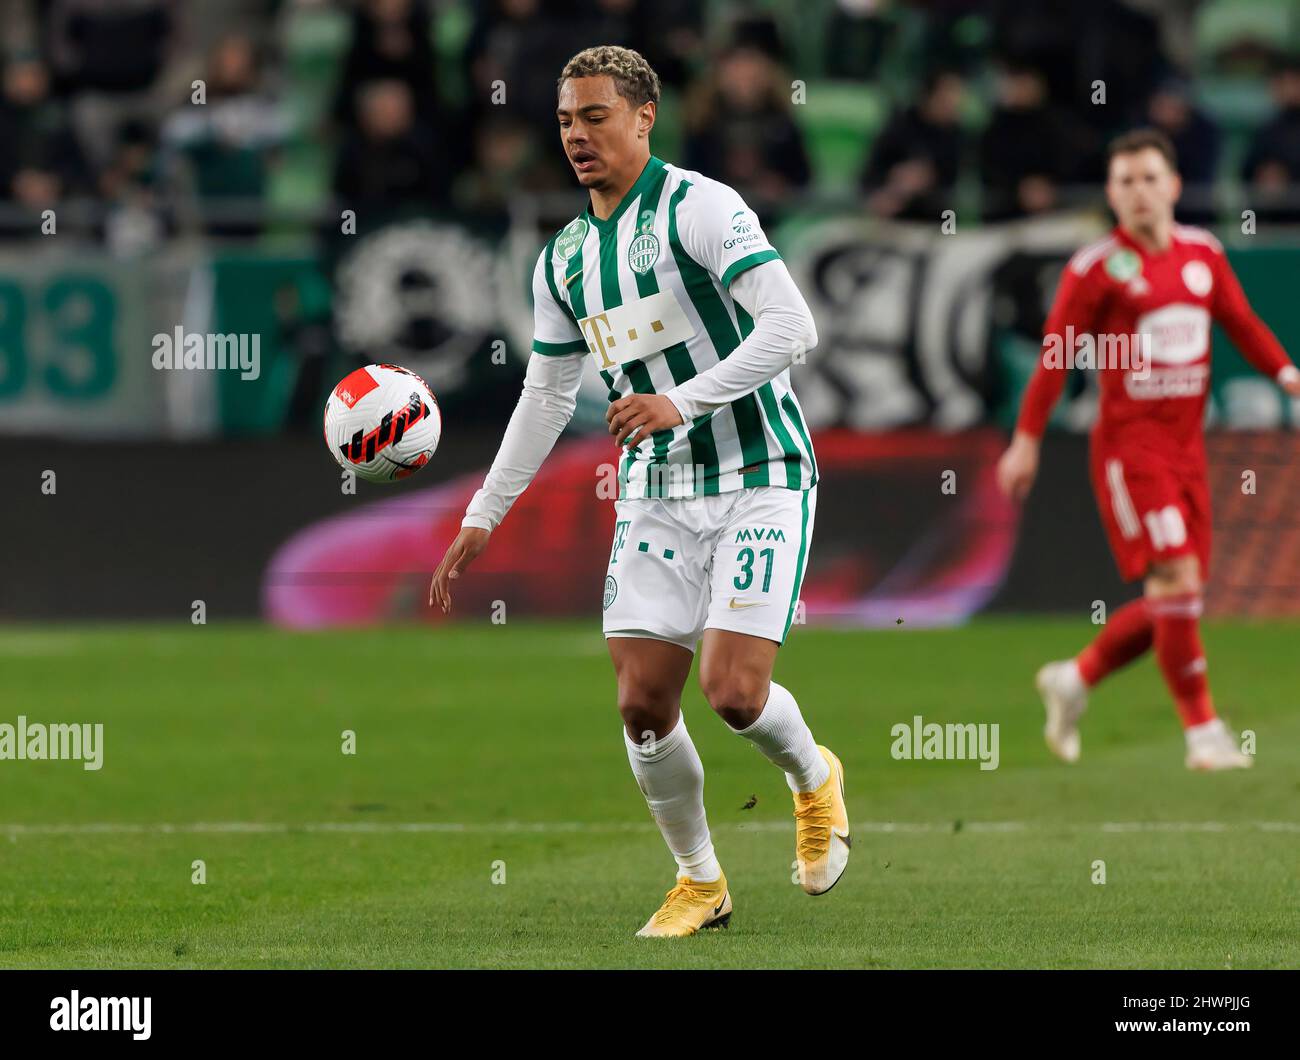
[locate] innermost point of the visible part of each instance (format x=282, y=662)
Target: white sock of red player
x=784, y=737
x=671, y=777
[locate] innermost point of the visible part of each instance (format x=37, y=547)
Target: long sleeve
x=1074, y=307
x=1252, y=336
x=783, y=327
x=544, y=410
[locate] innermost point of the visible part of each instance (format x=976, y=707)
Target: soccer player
x=1157, y=285
x=667, y=283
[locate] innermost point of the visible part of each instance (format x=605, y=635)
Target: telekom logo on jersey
x=635, y=331
x=1179, y=333
x=1173, y=336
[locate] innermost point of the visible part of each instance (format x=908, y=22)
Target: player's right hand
x=460, y=554
x=1018, y=467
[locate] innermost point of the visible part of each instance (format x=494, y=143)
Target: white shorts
x=732, y=561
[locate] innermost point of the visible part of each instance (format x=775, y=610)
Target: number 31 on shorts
x=747, y=559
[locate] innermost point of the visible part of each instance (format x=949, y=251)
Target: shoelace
x=814, y=825
x=681, y=895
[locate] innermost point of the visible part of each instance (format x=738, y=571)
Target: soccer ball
x=382, y=421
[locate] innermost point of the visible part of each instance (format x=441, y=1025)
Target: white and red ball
x=383, y=422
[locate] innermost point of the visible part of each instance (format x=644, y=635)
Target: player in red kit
x=1138, y=306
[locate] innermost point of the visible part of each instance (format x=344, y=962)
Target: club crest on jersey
x=1123, y=265
x=643, y=251
x=1198, y=278
x=571, y=238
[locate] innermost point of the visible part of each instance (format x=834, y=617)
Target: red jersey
x=1167, y=299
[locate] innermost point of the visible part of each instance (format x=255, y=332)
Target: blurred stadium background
x=206, y=163
x=353, y=182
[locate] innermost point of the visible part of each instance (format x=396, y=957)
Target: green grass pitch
x=500, y=747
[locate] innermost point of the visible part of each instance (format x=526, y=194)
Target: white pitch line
x=15, y=831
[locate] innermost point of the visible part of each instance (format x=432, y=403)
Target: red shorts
x=1152, y=509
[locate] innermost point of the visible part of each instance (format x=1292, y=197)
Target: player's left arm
x=783, y=331
x=724, y=237
x=1249, y=333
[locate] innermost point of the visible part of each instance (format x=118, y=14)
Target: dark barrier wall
x=1061, y=561
x=144, y=530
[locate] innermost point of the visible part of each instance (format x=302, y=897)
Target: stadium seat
x=1236, y=103
x=314, y=41
x=300, y=184
x=840, y=119
x=668, y=124
x=1223, y=25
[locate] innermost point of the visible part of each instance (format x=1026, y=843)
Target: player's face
x=1142, y=188
x=602, y=132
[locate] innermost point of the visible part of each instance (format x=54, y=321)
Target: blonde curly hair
x=633, y=77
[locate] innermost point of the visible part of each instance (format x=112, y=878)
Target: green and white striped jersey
x=645, y=295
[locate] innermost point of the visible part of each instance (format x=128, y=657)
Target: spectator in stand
x=740, y=129
x=1196, y=140
x=912, y=170
x=1272, y=167
x=671, y=33
x=225, y=147
x=750, y=26
x=389, y=166
x=390, y=42
x=518, y=48
x=858, y=38
x=609, y=21
x=508, y=160
x=134, y=221
x=107, y=56
x=1028, y=150
x=41, y=163
x=1073, y=45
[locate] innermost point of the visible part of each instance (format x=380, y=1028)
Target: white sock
x=784, y=737
x=1208, y=732
x=1072, y=678
x=671, y=777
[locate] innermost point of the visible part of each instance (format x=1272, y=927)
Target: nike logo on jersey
x=568, y=280
x=735, y=605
